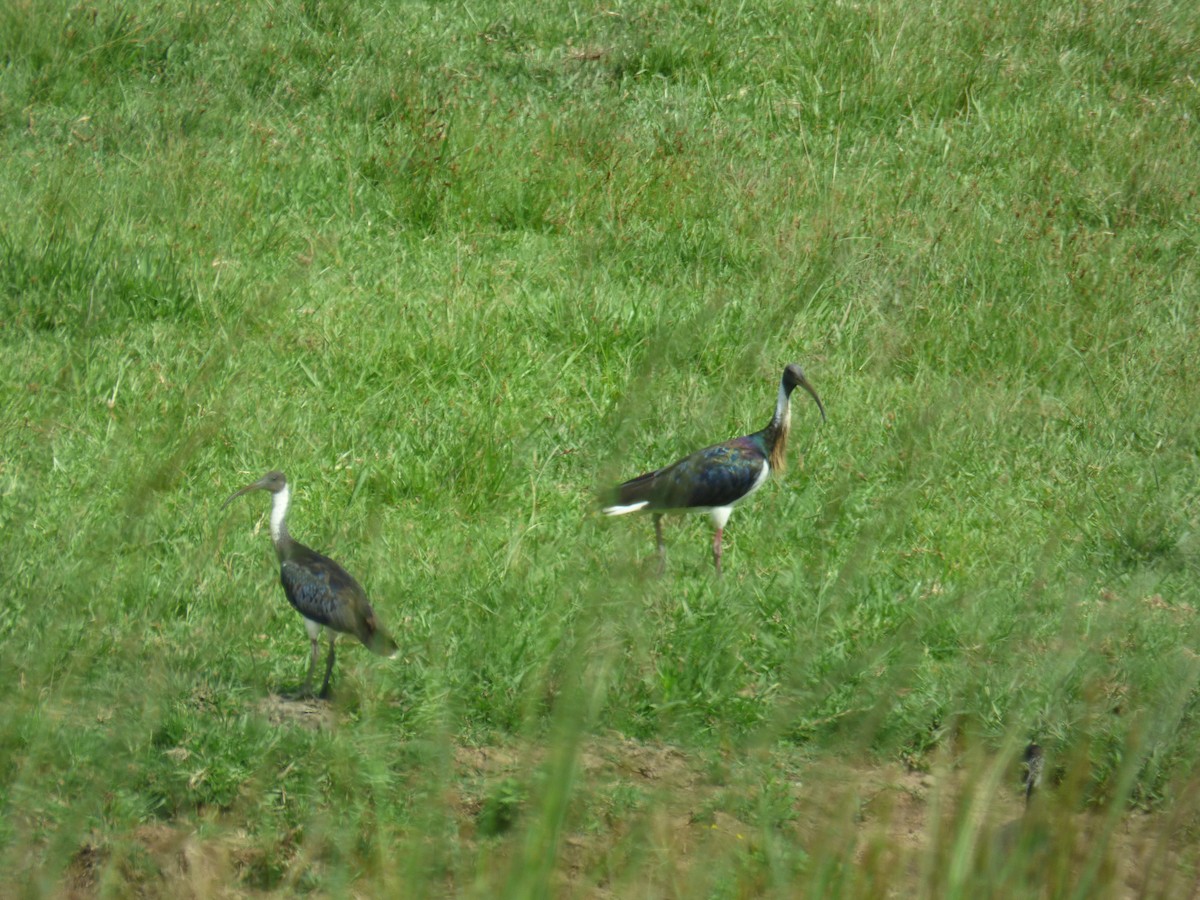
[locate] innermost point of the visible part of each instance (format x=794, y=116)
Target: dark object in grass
x=324, y=593
x=715, y=479
x=1032, y=760
x=1024, y=847
x=501, y=808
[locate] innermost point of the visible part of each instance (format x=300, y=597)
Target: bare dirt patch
x=650, y=819
x=314, y=714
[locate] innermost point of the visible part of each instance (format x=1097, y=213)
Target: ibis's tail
x=634, y=494
x=382, y=643
x=377, y=640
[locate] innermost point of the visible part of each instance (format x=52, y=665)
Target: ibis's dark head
x=793, y=377
x=272, y=481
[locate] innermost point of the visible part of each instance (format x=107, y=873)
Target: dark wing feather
x=310, y=588
x=324, y=592
x=715, y=476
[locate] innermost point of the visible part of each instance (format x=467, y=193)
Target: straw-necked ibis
x=717, y=478
x=324, y=593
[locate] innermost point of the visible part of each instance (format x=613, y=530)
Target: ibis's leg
x=661, y=545
x=306, y=690
x=720, y=516
x=314, y=634
x=328, y=666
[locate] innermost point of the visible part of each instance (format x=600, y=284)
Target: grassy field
x=455, y=268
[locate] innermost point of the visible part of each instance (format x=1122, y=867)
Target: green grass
x=456, y=267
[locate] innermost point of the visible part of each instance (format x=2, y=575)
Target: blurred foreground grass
x=452, y=268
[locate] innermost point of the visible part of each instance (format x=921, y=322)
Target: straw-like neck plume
x=777, y=431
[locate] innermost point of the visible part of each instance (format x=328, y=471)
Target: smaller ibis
x=324, y=593
x=717, y=478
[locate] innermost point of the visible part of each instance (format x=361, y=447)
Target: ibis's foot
x=326, y=693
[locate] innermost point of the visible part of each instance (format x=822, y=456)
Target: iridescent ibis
x=324, y=593
x=717, y=478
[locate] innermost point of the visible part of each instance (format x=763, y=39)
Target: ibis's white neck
x=279, y=505
x=783, y=409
